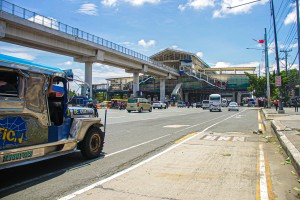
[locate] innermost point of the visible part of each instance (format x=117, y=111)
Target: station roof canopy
x=173, y=58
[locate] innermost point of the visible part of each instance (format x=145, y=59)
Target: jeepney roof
x=18, y=63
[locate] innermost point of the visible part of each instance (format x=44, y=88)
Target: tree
x=72, y=93
x=257, y=84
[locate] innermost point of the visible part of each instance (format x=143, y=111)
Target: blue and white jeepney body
x=36, y=123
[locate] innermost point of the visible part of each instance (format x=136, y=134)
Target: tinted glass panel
x=35, y=92
x=132, y=100
x=9, y=83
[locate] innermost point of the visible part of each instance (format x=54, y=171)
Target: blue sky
x=207, y=28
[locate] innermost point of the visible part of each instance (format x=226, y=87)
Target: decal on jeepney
x=12, y=131
x=82, y=111
x=17, y=156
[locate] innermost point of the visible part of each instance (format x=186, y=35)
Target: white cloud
x=19, y=52
x=294, y=66
x=199, y=54
x=197, y=4
x=271, y=48
x=68, y=63
x=291, y=46
x=141, y=2
x=291, y=17
x=181, y=7
x=226, y=64
x=146, y=44
x=175, y=47
x=88, y=9
x=109, y=3
x=46, y=21
x=224, y=10
x=21, y=55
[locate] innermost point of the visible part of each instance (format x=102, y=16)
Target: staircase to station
x=204, y=78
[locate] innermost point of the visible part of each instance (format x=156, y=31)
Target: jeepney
x=35, y=120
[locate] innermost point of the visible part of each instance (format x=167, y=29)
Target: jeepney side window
x=35, y=99
x=9, y=83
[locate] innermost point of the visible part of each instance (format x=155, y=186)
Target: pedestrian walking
x=276, y=104
x=296, y=105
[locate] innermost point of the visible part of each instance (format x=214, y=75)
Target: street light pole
x=298, y=30
x=277, y=57
x=267, y=69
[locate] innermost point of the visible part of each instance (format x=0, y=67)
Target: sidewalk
x=287, y=128
x=178, y=172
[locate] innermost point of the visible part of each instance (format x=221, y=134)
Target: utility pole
x=298, y=30
x=286, y=52
x=277, y=57
x=267, y=69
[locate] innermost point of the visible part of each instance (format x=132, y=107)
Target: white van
x=224, y=103
x=205, y=104
x=215, y=102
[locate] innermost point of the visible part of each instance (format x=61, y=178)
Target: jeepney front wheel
x=92, y=145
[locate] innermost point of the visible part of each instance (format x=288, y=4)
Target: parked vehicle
x=291, y=102
x=224, y=103
x=181, y=104
x=159, y=105
x=138, y=104
x=233, y=106
x=215, y=102
x=251, y=103
x=205, y=104
x=198, y=105
x=35, y=120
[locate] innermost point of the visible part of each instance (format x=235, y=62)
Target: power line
x=294, y=60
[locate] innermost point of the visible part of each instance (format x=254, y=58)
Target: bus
x=215, y=102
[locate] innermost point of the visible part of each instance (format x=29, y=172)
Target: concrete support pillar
x=163, y=90
x=186, y=96
x=89, y=76
x=136, y=84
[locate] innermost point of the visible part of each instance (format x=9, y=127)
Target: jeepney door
x=26, y=123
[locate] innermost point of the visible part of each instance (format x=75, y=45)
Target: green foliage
x=259, y=84
x=72, y=93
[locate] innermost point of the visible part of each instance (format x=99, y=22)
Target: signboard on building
x=278, y=81
x=186, y=63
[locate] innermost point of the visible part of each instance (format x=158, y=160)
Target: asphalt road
x=134, y=137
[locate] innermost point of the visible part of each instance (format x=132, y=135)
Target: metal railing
x=204, y=78
x=23, y=13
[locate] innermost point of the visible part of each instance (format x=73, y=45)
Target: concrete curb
x=288, y=147
x=271, y=115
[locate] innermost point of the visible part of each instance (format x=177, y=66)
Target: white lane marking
x=175, y=126
x=136, y=146
x=263, y=178
x=201, y=123
x=69, y=168
x=74, y=194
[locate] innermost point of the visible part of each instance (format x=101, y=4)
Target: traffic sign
x=277, y=81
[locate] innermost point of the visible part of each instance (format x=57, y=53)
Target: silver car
x=233, y=106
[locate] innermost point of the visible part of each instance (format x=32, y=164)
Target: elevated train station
x=196, y=82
